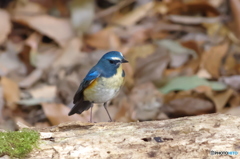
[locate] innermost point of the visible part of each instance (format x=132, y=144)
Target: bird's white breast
x=105, y=88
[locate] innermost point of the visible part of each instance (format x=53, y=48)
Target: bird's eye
x=111, y=61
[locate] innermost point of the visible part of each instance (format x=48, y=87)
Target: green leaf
x=190, y=82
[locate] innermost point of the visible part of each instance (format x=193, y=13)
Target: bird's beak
x=124, y=60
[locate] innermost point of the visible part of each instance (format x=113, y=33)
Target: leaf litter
x=183, y=58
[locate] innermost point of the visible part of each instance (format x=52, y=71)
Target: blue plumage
x=101, y=83
x=112, y=54
x=93, y=74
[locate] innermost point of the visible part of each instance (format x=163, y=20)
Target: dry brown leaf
x=235, y=7
x=160, y=7
x=82, y=15
x=232, y=81
x=190, y=20
x=9, y=62
x=71, y=55
x=212, y=59
x=123, y=113
x=33, y=42
x=113, y=9
x=138, y=35
x=190, y=68
x=203, y=89
x=188, y=106
x=145, y=101
x=159, y=30
x=151, y=68
x=19, y=120
x=67, y=86
x=234, y=100
x=25, y=57
x=129, y=78
x=216, y=4
x=11, y=92
x=137, y=52
x=60, y=5
x=234, y=111
x=203, y=73
x=57, y=113
x=220, y=99
x=192, y=8
x=44, y=92
x=231, y=66
x=178, y=53
x=178, y=60
x=27, y=7
x=58, y=29
x=5, y=25
x=22, y=125
x=192, y=45
x=104, y=39
x=134, y=16
x=42, y=125
x=177, y=95
x=31, y=79
x=217, y=32
x=48, y=55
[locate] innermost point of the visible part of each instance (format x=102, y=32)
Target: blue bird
x=101, y=84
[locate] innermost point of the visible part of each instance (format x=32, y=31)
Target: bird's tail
x=79, y=107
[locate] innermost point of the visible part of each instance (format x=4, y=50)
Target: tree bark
x=181, y=138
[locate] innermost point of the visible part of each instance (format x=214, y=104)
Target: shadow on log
x=182, y=138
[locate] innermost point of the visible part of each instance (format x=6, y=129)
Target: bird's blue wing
x=90, y=77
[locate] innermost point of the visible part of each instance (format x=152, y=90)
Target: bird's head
x=113, y=58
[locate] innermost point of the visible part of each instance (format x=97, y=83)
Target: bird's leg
x=105, y=106
x=91, y=114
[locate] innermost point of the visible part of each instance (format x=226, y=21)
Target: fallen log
x=181, y=138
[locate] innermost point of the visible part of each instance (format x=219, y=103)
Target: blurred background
x=184, y=58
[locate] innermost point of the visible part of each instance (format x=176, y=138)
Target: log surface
x=188, y=137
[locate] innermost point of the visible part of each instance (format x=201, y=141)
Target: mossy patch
x=18, y=143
